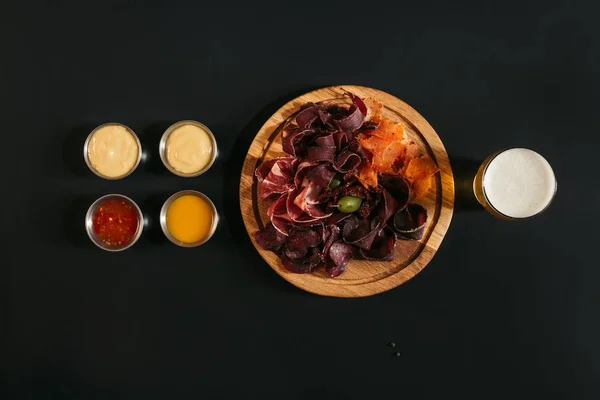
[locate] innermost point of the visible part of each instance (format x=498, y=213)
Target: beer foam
x=519, y=183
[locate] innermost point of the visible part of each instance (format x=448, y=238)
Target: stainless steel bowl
x=89, y=223
x=162, y=148
x=86, y=155
x=163, y=218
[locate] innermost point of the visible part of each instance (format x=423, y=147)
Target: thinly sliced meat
x=341, y=139
x=339, y=256
x=301, y=173
x=331, y=234
x=264, y=168
x=358, y=102
x=336, y=218
x=386, y=208
x=308, y=115
x=321, y=176
x=302, y=265
x=302, y=238
x=292, y=138
x=270, y=238
x=326, y=118
x=369, y=205
x=278, y=207
x=347, y=161
x=312, y=209
x=283, y=225
x=382, y=249
x=410, y=222
x=279, y=179
x=352, y=121
x=374, y=109
x=358, y=232
x=398, y=187
x=325, y=141
x=316, y=153
x=296, y=254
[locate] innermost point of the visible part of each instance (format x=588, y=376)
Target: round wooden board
x=362, y=277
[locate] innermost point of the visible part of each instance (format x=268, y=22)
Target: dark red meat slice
x=301, y=173
x=339, y=256
x=279, y=178
x=278, y=207
x=293, y=139
x=410, y=222
x=302, y=238
x=398, y=188
x=352, y=121
x=316, y=153
x=302, y=265
x=331, y=234
x=282, y=225
x=347, y=161
x=358, y=232
x=308, y=115
x=337, y=218
x=321, y=176
x=341, y=139
x=382, y=248
x=325, y=141
x=270, y=238
x=369, y=204
x=357, y=101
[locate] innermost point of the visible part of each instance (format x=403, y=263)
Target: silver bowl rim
x=165, y=208
x=162, y=148
x=86, y=156
x=89, y=222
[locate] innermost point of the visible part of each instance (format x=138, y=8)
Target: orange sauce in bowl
x=190, y=218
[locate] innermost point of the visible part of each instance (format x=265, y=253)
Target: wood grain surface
x=362, y=277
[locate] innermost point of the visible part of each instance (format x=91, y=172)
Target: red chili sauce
x=115, y=222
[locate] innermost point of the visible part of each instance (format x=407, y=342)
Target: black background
x=504, y=308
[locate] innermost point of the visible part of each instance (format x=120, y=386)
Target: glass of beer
x=515, y=183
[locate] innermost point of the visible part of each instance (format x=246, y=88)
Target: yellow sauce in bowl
x=113, y=151
x=190, y=219
x=189, y=149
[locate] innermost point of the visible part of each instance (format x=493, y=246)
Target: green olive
x=336, y=181
x=349, y=204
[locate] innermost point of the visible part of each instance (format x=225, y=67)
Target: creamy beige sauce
x=519, y=183
x=113, y=151
x=189, y=149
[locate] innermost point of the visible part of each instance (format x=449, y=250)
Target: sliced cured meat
x=316, y=153
x=355, y=117
x=331, y=234
x=302, y=238
x=302, y=265
x=410, y=222
x=338, y=258
x=347, y=161
x=382, y=248
x=374, y=109
x=270, y=238
x=279, y=178
x=308, y=115
x=293, y=139
x=398, y=187
x=358, y=232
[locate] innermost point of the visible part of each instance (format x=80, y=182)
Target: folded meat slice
x=276, y=176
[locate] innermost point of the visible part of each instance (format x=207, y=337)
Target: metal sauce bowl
x=86, y=155
x=162, y=148
x=163, y=218
x=89, y=223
